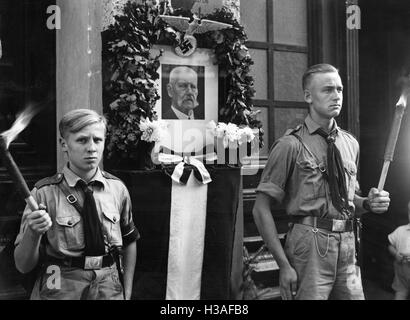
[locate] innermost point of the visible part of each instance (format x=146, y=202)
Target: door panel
x=27, y=77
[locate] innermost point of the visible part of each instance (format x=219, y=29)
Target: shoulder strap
x=56, y=179
x=293, y=133
x=71, y=198
x=107, y=175
x=293, y=130
x=348, y=133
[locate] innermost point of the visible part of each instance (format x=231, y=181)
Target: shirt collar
x=183, y=116
x=72, y=178
x=312, y=126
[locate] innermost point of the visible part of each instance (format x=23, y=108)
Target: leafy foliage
x=130, y=92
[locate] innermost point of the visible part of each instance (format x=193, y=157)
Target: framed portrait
x=192, y=90
x=188, y=88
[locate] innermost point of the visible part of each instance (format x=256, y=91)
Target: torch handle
x=32, y=203
x=16, y=175
x=383, y=175
x=394, y=133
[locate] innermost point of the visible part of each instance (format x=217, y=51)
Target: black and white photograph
x=241, y=152
x=189, y=97
x=183, y=92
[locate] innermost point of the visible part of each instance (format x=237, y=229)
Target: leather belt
x=333, y=225
x=86, y=263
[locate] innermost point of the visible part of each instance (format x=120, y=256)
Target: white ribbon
x=190, y=160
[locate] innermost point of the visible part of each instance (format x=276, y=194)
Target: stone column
x=78, y=50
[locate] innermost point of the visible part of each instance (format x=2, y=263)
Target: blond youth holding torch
x=85, y=216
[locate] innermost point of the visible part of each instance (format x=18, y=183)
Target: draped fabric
x=93, y=234
x=335, y=173
x=186, y=239
x=151, y=194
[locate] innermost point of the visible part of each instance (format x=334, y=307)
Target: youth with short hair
x=312, y=171
x=83, y=224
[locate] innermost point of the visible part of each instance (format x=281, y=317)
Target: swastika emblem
x=187, y=47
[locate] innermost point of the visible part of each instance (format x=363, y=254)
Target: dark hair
x=317, y=68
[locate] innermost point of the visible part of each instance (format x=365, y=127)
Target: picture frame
x=187, y=136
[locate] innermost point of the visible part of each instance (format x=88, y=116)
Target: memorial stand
x=189, y=215
x=151, y=193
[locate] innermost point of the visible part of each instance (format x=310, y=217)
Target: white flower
x=231, y=134
x=153, y=131
x=220, y=130
x=246, y=135
x=211, y=125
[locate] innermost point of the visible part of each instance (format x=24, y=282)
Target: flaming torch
x=394, y=131
x=6, y=138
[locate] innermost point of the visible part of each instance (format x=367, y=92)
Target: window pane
x=286, y=118
x=290, y=22
x=253, y=18
x=289, y=68
x=259, y=71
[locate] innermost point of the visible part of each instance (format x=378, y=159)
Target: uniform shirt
x=293, y=174
x=400, y=239
x=66, y=235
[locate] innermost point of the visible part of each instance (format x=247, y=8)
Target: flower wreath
x=130, y=92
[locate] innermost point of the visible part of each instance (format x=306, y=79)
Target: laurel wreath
x=130, y=73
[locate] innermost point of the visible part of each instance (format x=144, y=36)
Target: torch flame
x=402, y=100
x=404, y=83
x=22, y=121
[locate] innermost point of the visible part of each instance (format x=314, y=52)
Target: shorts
x=401, y=282
x=325, y=263
x=69, y=283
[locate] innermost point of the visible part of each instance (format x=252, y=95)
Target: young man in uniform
x=84, y=220
x=312, y=170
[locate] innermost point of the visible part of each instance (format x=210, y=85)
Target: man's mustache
x=191, y=97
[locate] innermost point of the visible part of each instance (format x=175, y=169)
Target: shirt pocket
x=112, y=227
x=70, y=233
x=351, y=176
x=311, y=182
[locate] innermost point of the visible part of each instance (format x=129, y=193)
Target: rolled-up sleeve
x=393, y=238
x=279, y=167
x=23, y=223
x=129, y=231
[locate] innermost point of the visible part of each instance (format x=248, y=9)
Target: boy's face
x=325, y=95
x=85, y=148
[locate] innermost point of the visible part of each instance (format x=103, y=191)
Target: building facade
x=51, y=56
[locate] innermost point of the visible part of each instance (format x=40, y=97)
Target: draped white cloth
x=186, y=239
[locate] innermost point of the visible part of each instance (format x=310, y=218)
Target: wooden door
x=27, y=76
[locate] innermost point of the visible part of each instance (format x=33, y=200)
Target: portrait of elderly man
x=181, y=96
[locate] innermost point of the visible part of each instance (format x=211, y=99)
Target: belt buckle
x=93, y=263
x=339, y=225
